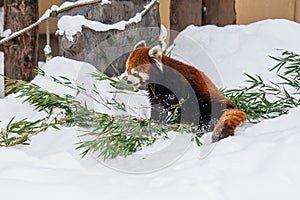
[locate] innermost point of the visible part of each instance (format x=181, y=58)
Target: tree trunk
x=21, y=53
x=184, y=13
x=108, y=51
x=219, y=12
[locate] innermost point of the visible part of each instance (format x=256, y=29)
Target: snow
x=55, y=8
x=1, y=73
x=80, y=2
x=3, y=33
x=103, y=2
x=71, y=25
x=242, y=48
x=163, y=37
x=47, y=49
x=261, y=162
x=48, y=12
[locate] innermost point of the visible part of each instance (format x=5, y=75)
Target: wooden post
x=184, y=13
x=219, y=12
x=21, y=53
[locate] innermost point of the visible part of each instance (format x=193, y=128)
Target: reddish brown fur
x=230, y=119
x=227, y=123
x=137, y=59
x=195, y=77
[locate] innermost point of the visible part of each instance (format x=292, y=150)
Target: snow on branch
x=105, y=2
x=70, y=25
x=67, y=29
x=69, y=5
x=52, y=12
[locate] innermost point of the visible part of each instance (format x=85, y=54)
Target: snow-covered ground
x=261, y=162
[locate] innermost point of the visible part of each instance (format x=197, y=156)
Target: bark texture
x=21, y=53
x=108, y=51
x=219, y=12
x=184, y=13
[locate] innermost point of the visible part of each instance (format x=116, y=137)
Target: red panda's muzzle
x=139, y=80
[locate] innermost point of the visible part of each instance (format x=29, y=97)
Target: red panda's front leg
x=228, y=122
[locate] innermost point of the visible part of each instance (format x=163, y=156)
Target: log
x=21, y=53
x=108, y=51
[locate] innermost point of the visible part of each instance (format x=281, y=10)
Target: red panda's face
x=141, y=63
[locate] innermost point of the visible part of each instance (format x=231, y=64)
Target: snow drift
x=261, y=162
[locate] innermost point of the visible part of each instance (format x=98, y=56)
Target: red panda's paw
x=227, y=124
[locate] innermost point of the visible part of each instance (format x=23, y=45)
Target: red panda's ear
x=140, y=44
x=156, y=54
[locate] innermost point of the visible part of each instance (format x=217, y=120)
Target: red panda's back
x=199, y=81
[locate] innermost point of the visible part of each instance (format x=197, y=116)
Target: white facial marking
x=133, y=79
x=144, y=76
x=138, y=79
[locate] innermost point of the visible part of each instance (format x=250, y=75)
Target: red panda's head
x=142, y=63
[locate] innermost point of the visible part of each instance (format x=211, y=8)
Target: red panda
x=171, y=83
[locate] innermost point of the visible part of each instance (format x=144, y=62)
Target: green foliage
x=264, y=100
x=58, y=111
x=106, y=135
x=113, y=136
x=120, y=83
x=40, y=99
x=19, y=132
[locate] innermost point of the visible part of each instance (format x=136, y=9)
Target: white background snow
x=261, y=162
